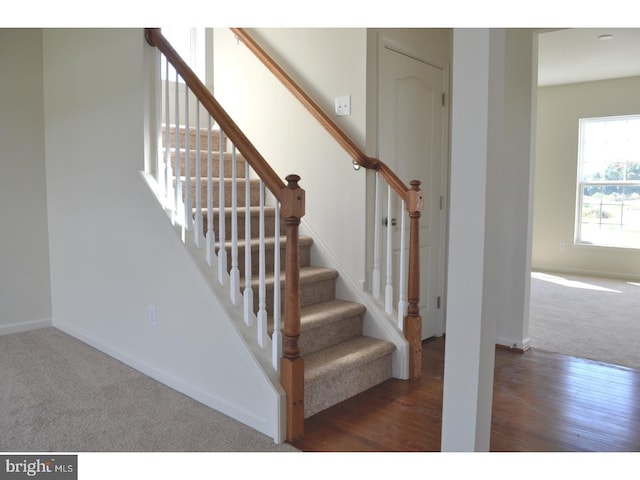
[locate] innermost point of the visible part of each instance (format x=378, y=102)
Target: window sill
x=605, y=247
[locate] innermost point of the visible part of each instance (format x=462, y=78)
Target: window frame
x=581, y=184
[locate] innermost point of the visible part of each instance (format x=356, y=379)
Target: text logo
x=54, y=467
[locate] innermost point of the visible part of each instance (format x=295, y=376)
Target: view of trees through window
x=609, y=182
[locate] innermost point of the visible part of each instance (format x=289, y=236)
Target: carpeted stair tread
x=269, y=243
x=308, y=274
x=351, y=354
x=215, y=136
x=328, y=323
x=204, y=165
x=314, y=316
x=253, y=210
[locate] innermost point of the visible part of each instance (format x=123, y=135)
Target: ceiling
x=577, y=55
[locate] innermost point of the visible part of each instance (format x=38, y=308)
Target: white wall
x=559, y=109
x=113, y=250
x=25, y=293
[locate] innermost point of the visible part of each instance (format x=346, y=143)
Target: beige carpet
x=588, y=317
x=59, y=394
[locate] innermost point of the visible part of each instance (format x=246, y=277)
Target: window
x=189, y=43
x=608, y=210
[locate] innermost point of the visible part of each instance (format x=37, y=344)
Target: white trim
x=19, y=327
x=585, y=272
x=511, y=343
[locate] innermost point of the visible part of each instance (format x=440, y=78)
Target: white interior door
x=412, y=137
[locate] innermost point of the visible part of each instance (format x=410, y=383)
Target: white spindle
x=197, y=231
x=388, y=290
x=377, y=225
x=402, y=275
x=168, y=174
x=210, y=240
x=248, y=291
x=222, y=234
x=188, y=211
x=276, y=337
x=262, y=300
x=176, y=156
x=235, y=271
x=159, y=112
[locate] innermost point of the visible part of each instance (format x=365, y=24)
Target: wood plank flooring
x=543, y=402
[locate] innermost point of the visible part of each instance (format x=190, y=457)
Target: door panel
x=412, y=134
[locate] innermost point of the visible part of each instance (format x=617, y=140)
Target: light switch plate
x=343, y=105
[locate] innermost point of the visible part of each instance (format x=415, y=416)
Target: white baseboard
x=19, y=327
x=586, y=272
x=510, y=343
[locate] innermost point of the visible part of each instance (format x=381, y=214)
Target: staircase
x=339, y=360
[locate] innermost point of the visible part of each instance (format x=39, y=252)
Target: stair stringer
x=257, y=360
x=377, y=323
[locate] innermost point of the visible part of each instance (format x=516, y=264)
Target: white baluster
x=197, y=231
x=188, y=210
x=235, y=271
x=222, y=234
x=248, y=291
x=160, y=168
x=262, y=300
x=276, y=337
x=388, y=290
x=402, y=279
x=377, y=225
x=168, y=173
x=176, y=157
x=210, y=240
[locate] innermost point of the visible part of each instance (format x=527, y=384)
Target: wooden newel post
x=292, y=364
x=413, y=320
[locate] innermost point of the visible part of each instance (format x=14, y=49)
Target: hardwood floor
x=543, y=402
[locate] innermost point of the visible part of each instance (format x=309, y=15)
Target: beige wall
x=559, y=109
x=25, y=293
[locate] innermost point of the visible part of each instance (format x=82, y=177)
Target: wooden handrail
x=334, y=130
x=270, y=178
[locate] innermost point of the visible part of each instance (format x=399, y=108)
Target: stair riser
x=269, y=224
x=305, y=258
x=228, y=194
x=215, y=138
x=329, y=334
x=310, y=294
x=331, y=391
x=215, y=164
